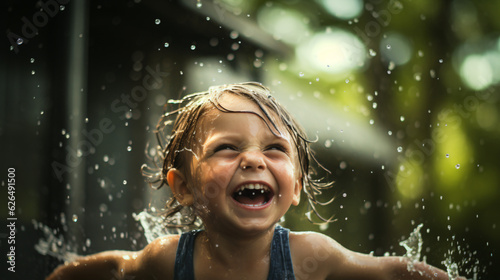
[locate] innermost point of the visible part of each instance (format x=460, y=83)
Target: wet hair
x=172, y=146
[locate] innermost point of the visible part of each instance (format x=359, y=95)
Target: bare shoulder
x=317, y=256
x=155, y=261
x=158, y=257
x=319, y=245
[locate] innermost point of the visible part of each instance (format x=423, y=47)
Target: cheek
x=214, y=178
x=285, y=172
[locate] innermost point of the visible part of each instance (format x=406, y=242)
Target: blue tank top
x=280, y=265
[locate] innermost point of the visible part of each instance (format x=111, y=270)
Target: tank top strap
x=280, y=267
x=184, y=267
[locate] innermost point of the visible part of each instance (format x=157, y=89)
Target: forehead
x=240, y=105
x=235, y=110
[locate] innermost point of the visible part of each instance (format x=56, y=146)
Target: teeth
x=262, y=188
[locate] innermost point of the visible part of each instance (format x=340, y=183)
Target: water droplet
x=301, y=74
x=388, y=46
x=374, y=105
x=400, y=149
x=20, y=41
x=105, y=158
x=457, y=166
x=342, y=165
x=199, y=4
x=392, y=65
x=234, y=34
x=32, y=72
x=372, y=52
x=372, y=121
x=157, y=21
x=32, y=60
x=129, y=148
x=193, y=47
x=346, y=81
x=124, y=182
x=441, y=60
x=166, y=44
x=328, y=143
x=402, y=118
x=447, y=155
x=75, y=218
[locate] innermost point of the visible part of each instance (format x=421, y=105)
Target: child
x=239, y=160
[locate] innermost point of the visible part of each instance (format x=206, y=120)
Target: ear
x=296, y=192
x=178, y=184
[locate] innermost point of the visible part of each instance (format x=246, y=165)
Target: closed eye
x=277, y=147
x=226, y=147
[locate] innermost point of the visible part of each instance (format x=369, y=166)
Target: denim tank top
x=280, y=266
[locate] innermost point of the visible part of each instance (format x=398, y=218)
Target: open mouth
x=253, y=195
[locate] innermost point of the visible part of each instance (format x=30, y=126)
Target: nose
x=252, y=160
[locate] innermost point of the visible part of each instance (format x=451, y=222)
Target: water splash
x=451, y=268
x=413, y=246
x=156, y=225
x=54, y=244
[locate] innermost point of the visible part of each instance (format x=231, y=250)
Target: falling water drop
x=157, y=21
x=20, y=41
x=400, y=149
x=457, y=166
x=75, y=218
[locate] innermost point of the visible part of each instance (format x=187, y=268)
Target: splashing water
x=156, y=225
x=413, y=246
x=153, y=225
x=54, y=245
x=451, y=268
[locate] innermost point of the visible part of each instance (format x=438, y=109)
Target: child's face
x=243, y=176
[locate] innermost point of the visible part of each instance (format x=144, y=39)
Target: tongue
x=251, y=199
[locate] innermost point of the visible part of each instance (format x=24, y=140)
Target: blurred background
x=402, y=97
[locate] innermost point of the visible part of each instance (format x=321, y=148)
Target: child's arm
x=317, y=256
x=156, y=261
